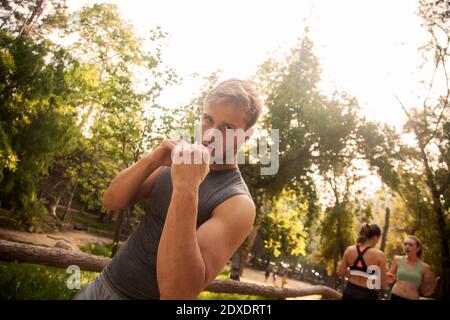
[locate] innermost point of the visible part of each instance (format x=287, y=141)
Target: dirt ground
x=257, y=276
x=74, y=238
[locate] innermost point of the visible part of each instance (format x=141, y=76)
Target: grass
x=97, y=249
x=23, y=281
x=90, y=222
x=225, y=274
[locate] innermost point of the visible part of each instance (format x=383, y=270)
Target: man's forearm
x=123, y=188
x=180, y=266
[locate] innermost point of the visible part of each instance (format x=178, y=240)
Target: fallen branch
x=55, y=257
x=231, y=286
x=58, y=238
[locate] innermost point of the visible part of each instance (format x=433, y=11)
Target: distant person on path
x=283, y=279
x=274, y=277
x=266, y=275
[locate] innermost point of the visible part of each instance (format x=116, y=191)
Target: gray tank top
x=132, y=271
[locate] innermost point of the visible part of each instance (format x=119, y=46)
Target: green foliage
x=336, y=233
x=283, y=229
x=292, y=98
x=98, y=249
x=19, y=281
x=382, y=149
x=73, y=120
x=36, y=122
x=119, y=113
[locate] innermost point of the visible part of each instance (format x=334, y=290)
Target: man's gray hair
x=240, y=93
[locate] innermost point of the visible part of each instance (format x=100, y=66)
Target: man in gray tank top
x=199, y=211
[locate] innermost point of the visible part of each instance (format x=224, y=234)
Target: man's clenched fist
x=190, y=165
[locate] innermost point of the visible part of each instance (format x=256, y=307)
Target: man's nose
x=209, y=135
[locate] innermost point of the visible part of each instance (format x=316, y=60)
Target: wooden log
x=56, y=257
x=52, y=257
x=230, y=286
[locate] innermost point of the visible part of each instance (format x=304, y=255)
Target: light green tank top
x=411, y=275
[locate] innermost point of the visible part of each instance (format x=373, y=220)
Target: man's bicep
x=224, y=232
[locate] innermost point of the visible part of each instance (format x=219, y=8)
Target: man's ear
x=248, y=133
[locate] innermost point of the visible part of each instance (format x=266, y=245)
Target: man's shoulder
x=241, y=200
x=239, y=206
x=232, y=183
x=240, y=183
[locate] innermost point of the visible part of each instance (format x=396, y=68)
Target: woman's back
x=364, y=266
x=359, y=258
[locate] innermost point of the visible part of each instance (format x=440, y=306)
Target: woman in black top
x=359, y=262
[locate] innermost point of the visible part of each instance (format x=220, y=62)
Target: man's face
x=216, y=120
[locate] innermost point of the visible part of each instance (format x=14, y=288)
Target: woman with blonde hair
x=410, y=274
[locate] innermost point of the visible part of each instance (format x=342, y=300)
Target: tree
x=283, y=230
x=429, y=124
x=120, y=115
x=28, y=18
x=36, y=118
x=290, y=87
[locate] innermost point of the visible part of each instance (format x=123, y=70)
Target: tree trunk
x=117, y=231
x=235, y=266
x=385, y=229
x=45, y=190
x=444, y=289
x=54, y=204
x=245, y=252
x=66, y=211
x=336, y=252
x=230, y=286
x=27, y=27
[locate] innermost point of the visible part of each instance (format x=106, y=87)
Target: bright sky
x=368, y=48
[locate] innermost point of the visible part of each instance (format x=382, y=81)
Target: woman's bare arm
x=429, y=281
x=343, y=270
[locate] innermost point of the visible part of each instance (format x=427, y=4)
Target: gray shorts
x=99, y=289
